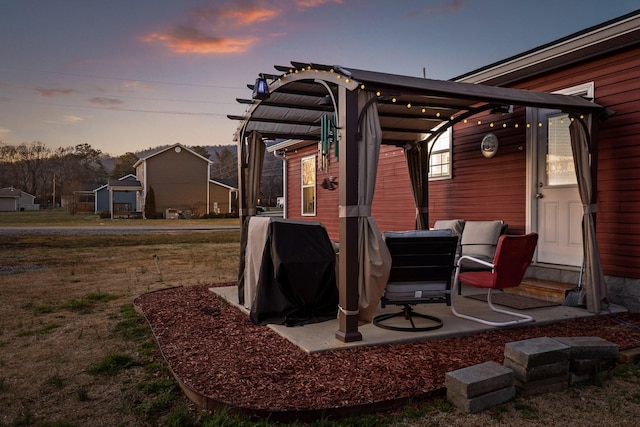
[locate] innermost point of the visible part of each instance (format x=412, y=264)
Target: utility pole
x=54, y=190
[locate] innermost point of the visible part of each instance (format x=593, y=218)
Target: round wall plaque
x=489, y=145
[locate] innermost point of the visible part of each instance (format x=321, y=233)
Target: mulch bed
x=221, y=358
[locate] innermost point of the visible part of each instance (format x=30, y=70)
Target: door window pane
x=560, y=168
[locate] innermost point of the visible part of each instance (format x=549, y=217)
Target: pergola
x=364, y=109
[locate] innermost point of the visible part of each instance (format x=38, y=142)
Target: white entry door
x=559, y=209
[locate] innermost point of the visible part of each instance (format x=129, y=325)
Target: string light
x=409, y=105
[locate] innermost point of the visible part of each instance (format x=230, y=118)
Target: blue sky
x=126, y=75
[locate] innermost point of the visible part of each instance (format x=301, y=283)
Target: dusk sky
x=126, y=75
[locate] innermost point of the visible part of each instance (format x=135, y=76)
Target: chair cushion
x=456, y=226
x=417, y=233
x=480, y=238
x=403, y=291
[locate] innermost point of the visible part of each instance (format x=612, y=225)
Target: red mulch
x=215, y=351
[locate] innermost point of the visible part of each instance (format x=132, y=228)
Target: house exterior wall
x=615, y=78
x=392, y=208
x=486, y=189
x=179, y=180
x=221, y=195
x=102, y=199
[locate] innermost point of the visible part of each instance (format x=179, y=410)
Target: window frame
x=447, y=137
x=307, y=186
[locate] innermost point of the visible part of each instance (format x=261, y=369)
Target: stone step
x=545, y=290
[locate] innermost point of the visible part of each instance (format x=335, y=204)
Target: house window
x=440, y=160
x=309, y=185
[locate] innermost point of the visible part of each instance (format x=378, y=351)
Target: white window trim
x=302, y=186
x=449, y=149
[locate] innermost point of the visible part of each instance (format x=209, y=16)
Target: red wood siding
x=481, y=188
x=393, y=207
x=616, y=78
x=486, y=189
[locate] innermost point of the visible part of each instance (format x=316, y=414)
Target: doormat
x=518, y=302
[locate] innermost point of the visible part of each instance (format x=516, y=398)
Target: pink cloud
x=190, y=40
x=227, y=29
x=216, y=30
x=112, y=103
x=307, y=4
x=50, y=93
x=250, y=16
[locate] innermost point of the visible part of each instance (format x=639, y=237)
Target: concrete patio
x=318, y=337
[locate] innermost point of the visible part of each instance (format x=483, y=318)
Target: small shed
x=13, y=199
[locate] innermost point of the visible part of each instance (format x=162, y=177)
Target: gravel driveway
x=102, y=230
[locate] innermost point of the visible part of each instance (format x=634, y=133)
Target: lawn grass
x=75, y=352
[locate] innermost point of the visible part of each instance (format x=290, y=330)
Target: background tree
x=27, y=168
x=225, y=165
x=123, y=165
x=90, y=159
x=199, y=149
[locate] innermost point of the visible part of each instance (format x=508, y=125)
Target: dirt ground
x=65, y=314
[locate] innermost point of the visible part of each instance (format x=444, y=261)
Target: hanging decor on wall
x=489, y=145
x=327, y=136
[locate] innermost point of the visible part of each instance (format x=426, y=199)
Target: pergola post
x=348, y=196
x=425, y=159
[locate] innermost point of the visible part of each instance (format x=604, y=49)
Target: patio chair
x=512, y=258
x=478, y=239
x=421, y=269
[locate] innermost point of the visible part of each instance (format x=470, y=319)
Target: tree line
x=53, y=174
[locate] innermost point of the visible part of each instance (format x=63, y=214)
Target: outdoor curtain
x=374, y=259
x=251, y=161
x=413, y=155
x=594, y=288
